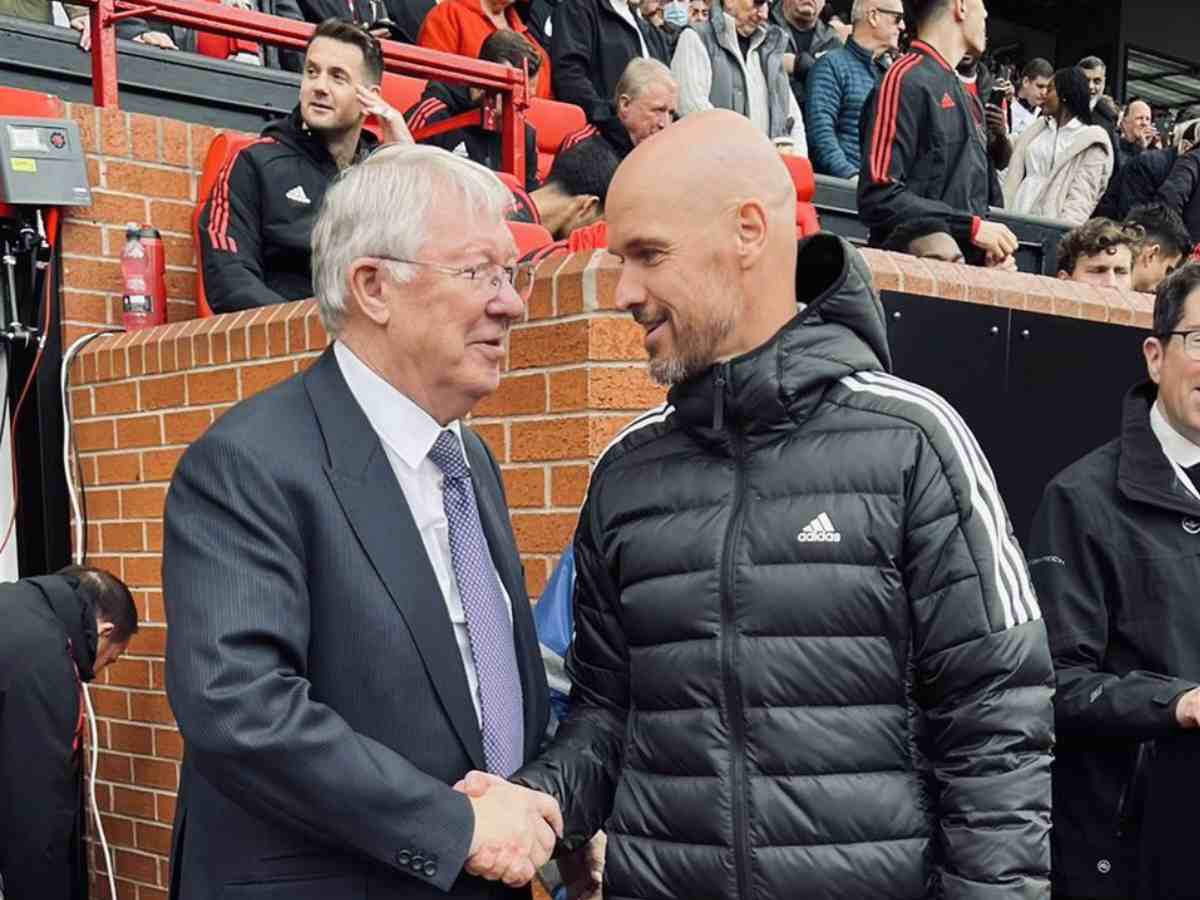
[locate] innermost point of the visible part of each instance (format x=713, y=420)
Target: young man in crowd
x=256, y=224
x=923, y=153
x=1031, y=95
x=574, y=193
x=929, y=237
x=443, y=101
x=1164, y=248
x=1115, y=558
x=1099, y=252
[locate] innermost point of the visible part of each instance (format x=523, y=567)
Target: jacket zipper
x=729, y=645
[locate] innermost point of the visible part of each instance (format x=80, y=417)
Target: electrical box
x=41, y=163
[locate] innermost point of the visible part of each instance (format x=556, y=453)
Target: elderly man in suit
x=349, y=630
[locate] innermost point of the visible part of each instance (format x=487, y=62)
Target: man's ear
x=104, y=628
x=585, y=209
x=1064, y=275
x=366, y=282
x=1153, y=350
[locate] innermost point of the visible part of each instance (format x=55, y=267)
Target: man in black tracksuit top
x=256, y=224
x=924, y=153
x=808, y=662
x=1115, y=557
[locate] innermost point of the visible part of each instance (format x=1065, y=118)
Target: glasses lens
x=523, y=280
x=1191, y=343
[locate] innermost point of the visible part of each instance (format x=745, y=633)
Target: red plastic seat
x=401, y=91
x=222, y=148
x=807, y=221
x=529, y=237
x=553, y=121
x=30, y=104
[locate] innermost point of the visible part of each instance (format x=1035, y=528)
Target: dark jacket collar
x=841, y=330
x=77, y=616
x=1144, y=473
x=293, y=132
x=823, y=34
x=928, y=50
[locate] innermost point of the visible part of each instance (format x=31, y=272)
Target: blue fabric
x=554, y=619
x=838, y=86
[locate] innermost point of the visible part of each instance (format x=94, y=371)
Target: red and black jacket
x=924, y=153
x=256, y=225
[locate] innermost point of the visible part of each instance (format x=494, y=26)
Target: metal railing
x=507, y=89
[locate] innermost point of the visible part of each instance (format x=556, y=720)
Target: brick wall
x=142, y=169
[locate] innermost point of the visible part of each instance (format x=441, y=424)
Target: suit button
x=430, y=870
x=417, y=862
x=403, y=857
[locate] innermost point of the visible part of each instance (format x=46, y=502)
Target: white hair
x=381, y=207
x=642, y=72
x=858, y=12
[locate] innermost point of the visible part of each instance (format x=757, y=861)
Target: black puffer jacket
x=807, y=661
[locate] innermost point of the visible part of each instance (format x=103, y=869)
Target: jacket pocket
x=316, y=887
x=1132, y=801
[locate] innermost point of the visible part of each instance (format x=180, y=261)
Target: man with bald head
x=807, y=658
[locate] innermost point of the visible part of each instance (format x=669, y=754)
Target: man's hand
x=1187, y=710
x=1008, y=264
x=83, y=24
x=789, y=63
x=997, y=123
x=395, y=129
x=515, y=829
x=583, y=871
x=156, y=39
x=996, y=240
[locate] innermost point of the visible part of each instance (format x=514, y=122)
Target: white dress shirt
x=408, y=433
x=1041, y=157
x=1022, y=117
x=1180, y=452
x=693, y=71
x=621, y=8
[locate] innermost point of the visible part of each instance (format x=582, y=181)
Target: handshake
x=516, y=829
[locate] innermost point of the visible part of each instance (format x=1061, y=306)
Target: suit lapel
x=504, y=554
x=373, y=503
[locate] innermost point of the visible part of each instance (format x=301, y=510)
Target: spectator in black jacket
x=591, y=43
x=255, y=225
x=1138, y=183
x=1181, y=190
x=574, y=193
x=810, y=36
x=923, y=149
x=1115, y=562
x=59, y=631
x=1165, y=247
x=443, y=101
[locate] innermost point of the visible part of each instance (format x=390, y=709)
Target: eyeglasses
x=898, y=16
x=1191, y=342
x=486, y=280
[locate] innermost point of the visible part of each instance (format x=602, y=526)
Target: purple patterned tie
x=488, y=624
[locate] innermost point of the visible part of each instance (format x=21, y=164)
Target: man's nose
x=507, y=304
x=629, y=293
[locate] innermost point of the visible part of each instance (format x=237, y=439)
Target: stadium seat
x=553, y=122
x=30, y=104
x=219, y=151
x=529, y=237
x=401, y=91
x=801, y=171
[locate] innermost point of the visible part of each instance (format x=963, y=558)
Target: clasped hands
x=516, y=829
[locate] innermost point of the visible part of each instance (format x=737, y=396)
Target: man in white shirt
x=736, y=61
x=1115, y=559
x=350, y=633
x=1031, y=95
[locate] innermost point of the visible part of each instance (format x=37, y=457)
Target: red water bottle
x=144, y=270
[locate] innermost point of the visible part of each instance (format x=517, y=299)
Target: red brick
x=150, y=640
x=629, y=387
x=179, y=251
x=85, y=115
x=168, y=744
x=603, y=429
x=131, y=738
x=119, y=468
x=139, y=431
x=161, y=393
x=569, y=390
x=113, y=767
x=149, y=893
x=143, y=503
x=93, y=308
x=185, y=427
x=537, y=572
x=86, y=240
x=136, y=866
x=516, y=395
x=153, y=838
x=207, y=388
x=261, y=377
x=169, y=184
x=81, y=398
x=118, y=536
x=117, y=831
x=182, y=286
x=550, y=440
x=112, y=703
x=166, y=808
x=616, y=338
x=150, y=708
x=92, y=275
x=169, y=215
x=548, y=345
x=175, y=143
x=116, y=209
x=568, y=485
x=159, y=465
x=543, y=532
x=133, y=802
x=525, y=487
x=154, y=536
x=103, y=503
x=143, y=131
x=155, y=773
x=201, y=137
x=493, y=436
x=95, y=435
x=114, y=133
x=143, y=571
x=158, y=668
x=116, y=398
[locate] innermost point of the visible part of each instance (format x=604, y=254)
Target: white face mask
x=676, y=13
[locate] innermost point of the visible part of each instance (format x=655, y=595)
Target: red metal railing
x=507, y=89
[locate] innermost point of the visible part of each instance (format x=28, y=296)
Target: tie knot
x=447, y=455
